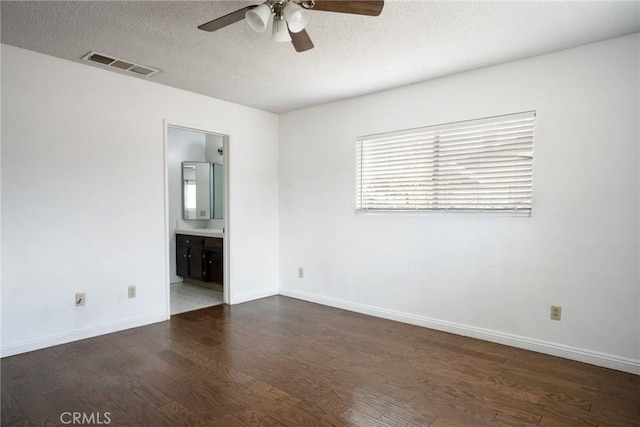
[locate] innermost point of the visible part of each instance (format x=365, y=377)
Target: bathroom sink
x=205, y=232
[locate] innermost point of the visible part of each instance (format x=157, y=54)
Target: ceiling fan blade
x=358, y=7
x=225, y=20
x=301, y=41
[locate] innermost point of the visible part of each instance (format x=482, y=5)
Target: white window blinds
x=480, y=165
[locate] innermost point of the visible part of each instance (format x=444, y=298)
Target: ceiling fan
x=290, y=18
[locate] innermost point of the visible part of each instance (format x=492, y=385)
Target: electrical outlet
x=79, y=299
x=132, y=291
x=300, y=272
x=556, y=312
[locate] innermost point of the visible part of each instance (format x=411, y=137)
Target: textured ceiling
x=410, y=41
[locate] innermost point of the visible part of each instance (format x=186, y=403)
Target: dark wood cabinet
x=199, y=258
x=213, y=270
x=182, y=261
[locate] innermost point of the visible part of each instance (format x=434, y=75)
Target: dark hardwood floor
x=279, y=361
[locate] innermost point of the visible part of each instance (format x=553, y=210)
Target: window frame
x=513, y=191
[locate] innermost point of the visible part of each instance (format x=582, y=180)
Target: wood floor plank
x=616, y=406
x=181, y=416
x=362, y=420
x=21, y=423
x=449, y=408
x=64, y=398
x=10, y=411
x=503, y=419
x=408, y=417
x=283, y=362
x=34, y=406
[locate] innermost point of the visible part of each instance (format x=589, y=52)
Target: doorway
x=192, y=283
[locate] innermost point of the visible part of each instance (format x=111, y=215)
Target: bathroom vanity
x=199, y=255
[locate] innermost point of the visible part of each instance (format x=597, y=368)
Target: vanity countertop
x=205, y=232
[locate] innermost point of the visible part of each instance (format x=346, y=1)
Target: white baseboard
x=574, y=353
x=80, y=334
x=250, y=296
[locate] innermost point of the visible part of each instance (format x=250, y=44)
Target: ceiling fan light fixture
x=289, y=18
x=280, y=32
x=258, y=17
x=296, y=17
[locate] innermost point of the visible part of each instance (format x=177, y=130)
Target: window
x=482, y=165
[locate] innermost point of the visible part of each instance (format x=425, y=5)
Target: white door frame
x=226, y=285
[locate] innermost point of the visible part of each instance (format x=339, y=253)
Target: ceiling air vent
x=129, y=67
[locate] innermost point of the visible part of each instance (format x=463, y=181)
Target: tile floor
x=188, y=297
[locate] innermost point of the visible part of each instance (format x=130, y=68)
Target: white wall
x=212, y=144
x=83, y=206
x=486, y=276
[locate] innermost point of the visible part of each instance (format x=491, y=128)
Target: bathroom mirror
x=202, y=190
